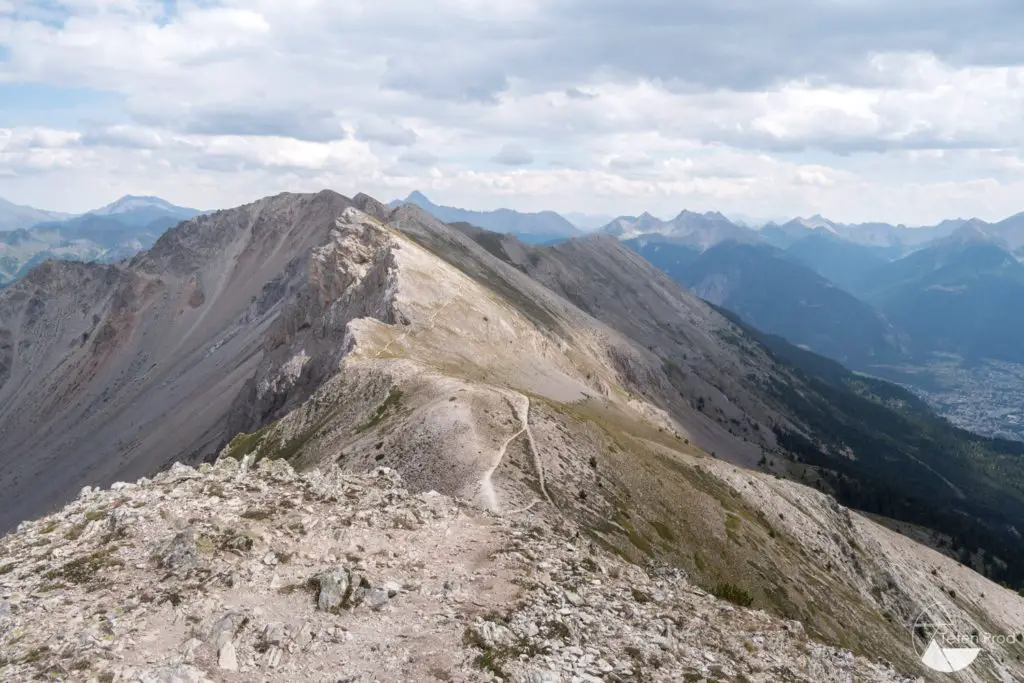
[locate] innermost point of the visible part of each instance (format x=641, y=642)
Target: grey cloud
x=844, y=144
x=447, y=77
x=301, y=124
x=416, y=157
x=513, y=155
x=232, y=163
x=630, y=162
x=750, y=44
x=121, y=136
x=699, y=46
x=386, y=132
x=447, y=68
x=577, y=94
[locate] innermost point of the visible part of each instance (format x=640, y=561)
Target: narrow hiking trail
x=537, y=464
x=486, y=484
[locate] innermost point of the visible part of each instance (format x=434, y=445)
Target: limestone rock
x=460, y=596
x=227, y=658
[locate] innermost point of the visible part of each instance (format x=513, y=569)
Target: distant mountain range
x=839, y=260
x=113, y=232
x=17, y=217
x=533, y=228
x=700, y=230
x=961, y=295
x=867, y=294
x=777, y=294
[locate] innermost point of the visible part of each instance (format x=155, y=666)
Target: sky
x=907, y=112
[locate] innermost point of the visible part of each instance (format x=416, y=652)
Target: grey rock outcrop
x=80, y=605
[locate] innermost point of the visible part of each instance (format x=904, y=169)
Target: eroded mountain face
x=114, y=371
x=577, y=380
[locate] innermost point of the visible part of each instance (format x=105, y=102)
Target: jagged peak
x=417, y=197
x=974, y=231
x=204, y=238
x=371, y=206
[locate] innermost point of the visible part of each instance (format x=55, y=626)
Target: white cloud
x=872, y=114
x=128, y=136
x=418, y=158
x=386, y=132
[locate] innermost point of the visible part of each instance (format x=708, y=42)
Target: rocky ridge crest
x=240, y=573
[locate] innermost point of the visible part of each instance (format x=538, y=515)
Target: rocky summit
x=240, y=573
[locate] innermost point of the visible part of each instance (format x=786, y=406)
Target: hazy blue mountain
x=669, y=257
x=795, y=230
x=697, y=230
x=17, y=217
x=838, y=260
x=779, y=295
x=961, y=295
x=627, y=227
x=587, y=222
x=144, y=211
x=898, y=238
x=755, y=222
x=110, y=233
x=535, y=228
x=1009, y=230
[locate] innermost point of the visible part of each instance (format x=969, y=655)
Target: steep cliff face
x=118, y=370
x=351, y=276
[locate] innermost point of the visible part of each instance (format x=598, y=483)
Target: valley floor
x=985, y=397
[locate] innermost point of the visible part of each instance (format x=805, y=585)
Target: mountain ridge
x=537, y=227
x=324, y=331
x=18, y=217
x=116, y=231
x=777, y=295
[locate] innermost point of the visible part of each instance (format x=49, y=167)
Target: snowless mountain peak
x=132, y=203
x=417, y=197
x=815, y=222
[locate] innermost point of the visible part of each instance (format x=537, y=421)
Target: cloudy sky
x=907, y=111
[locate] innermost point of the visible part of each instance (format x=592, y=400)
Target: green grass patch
x=95, y=514
x=733, y=593
x=389, y=406
x=75, y=531
x=664, y=531
x=732, y=528
x=244, y=444
x=83, y=570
